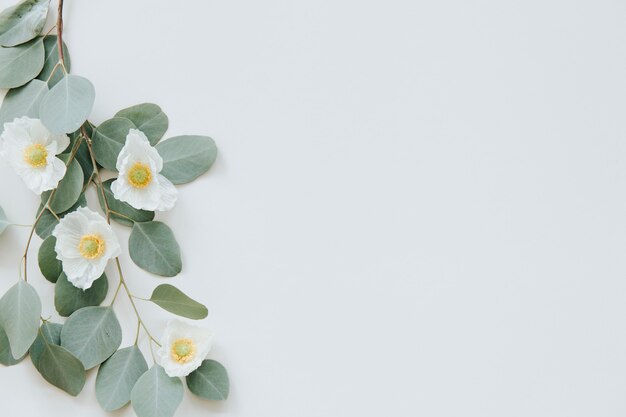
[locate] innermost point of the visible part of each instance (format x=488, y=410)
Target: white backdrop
x=418, y=208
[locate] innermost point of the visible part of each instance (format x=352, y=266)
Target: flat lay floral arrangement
x=59, y=154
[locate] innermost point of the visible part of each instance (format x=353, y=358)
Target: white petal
x=169, y=193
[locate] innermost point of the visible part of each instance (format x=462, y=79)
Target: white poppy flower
x=31, y=150
x=139, y=182
x=184, y=348
x=85, y=243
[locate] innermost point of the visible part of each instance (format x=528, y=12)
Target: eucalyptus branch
x=60, y=34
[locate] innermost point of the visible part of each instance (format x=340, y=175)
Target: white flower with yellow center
x=85, y=243
x=184, y=348
x=139, y=182
x=31, y=150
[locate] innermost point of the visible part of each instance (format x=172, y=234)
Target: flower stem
x=60, y=33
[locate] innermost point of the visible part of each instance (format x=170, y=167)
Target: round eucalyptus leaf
x=175, y=301
x=92, y=334
x=48, y=222
x=6, y=358
x=21, y=64
x=49, y=265
x=51, y=59
x=22, y=101
x=156, y=394
x=149, y=118
x=130, y=213
x=22, y=22
x=4, y=222
x=67, y=105
x=187, y=157
x=48, y=333
x=108, y=140
x=69, y=189
x=68, y=298
x=62, y=369
x=117, y=377
x=209, y=381
x=153, y=247
x=20, y=310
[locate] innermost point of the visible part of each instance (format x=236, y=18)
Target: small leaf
x=68, y=298
x=156, y=394
x=109, y=139
x=69, y=188
x=20, y=310
x=6, y=358
x=67, y=105
x=175, y=301
x=48, y=222
x=92, y=334
x=149, y=118
x=22, y=22
x=22, y=101
x=48, y=333
x=4, y=222
x=117, y=377
x=153, y=247
x=49, y=265
x=21, y=64
x=185, y=158
x=209, y=381
x=131, y=214
x=51, y=47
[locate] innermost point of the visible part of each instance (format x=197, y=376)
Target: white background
x=418, y=209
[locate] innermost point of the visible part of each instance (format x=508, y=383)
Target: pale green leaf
x=22, y=101
x=156, y=394
x=108, y=140
x=69, y=189
x=21, y=64
x=129, y=214
x=153, y=247
x=185, y=158
x=209, y=381
x=67, y=105
x=175, y=301
x=51, y=46
x=48, y=333
x=117, y=377
x=20, y=310
x=6, y=358
x=22, y=22
x=49, y=265
x=68, y=298
x=48, y=222
x=149, y=118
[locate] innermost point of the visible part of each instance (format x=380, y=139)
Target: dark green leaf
x=209, y=381
x=68, y=298
x=175, y=301
x=129, y=213
x=49, y=333
x=48, y=222
x=21, y=64
x=69, y=189
x=117, y=377
x=49, y=265
x=109, y=139
x=153, y=247
x=51, y=46
x=149, y=118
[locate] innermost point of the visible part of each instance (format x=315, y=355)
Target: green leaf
x=68, y=298
x=48, y=333
x=22, y=101
x=69, y=189
x=49, y=265
x=20, y=310
x=209, y=381
x=109, y=139
x=149, y=118
x=185, y=158
x=6, y=358
x=21, y=64
x=175, y=301
x=92, y=334
x=131, y=214
x=117, y=377
x=52, y=58
x=48, y=222
x=4, y=222
x=153, y=247
x=22, y=22
x=156, y=395
x=82, y=156
x=67, y=105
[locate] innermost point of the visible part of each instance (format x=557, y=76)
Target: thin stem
x=54, y=69
x=117, y=213
x=137, y=334
x=60, y=34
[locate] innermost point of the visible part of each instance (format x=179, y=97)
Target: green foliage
x=117, y=377
x=149, y=118
x=48, y=222
x=68, y=298
x=109, y=139
x=21, y=64
x=22, y=101
x=156, y=394
x=68, y=104
x=209, y=381
x=153, y=247
x=51, y=47
x=20, y=310
x=48, y=333
x=22, y=22
x=69, y=189
x=175, y=301
x=128, y=212
x=49, y=265
x=6, y=358
x=92, y=334
x=187, y=157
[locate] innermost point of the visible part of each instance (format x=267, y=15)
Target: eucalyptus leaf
x=149, y=118
x=4, y=222
x=48, y=333
x=22, y=101
x=68, y=298
x=209, y=381
x=21, y=64
x=187, y=157
x=49, y=265
x=51, y=47
x=82, y=156
x=153, y=247
x=69, y=189
x=117, y=377
x=128, y=212
x=61, y=368
x=67, y=105
x=92, y=334
x=20, y=310
x=48, y=222
x=6, y=358
x=108, y=140
x=22, y=22
x=156, y=394
x=175, y=301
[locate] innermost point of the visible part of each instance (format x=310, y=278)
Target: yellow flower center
x=91, y=246
x=139, y=175
x=183, y=350
x=36, y=155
